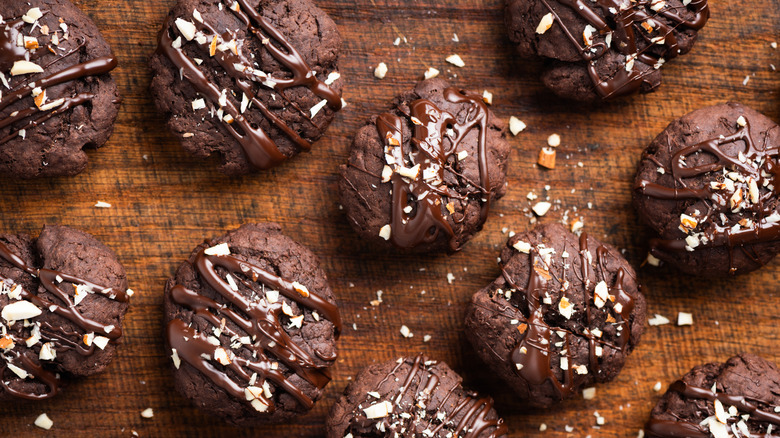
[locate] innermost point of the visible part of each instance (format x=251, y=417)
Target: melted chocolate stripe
x=418, y=204
x=51, y=281
x=262, y=324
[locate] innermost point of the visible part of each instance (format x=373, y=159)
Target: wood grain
x=164, y=203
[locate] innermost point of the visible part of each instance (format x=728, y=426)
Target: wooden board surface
x=165, y=203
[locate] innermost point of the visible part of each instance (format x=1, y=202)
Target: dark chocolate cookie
x=565, y=313
x=56, y=95
x=708, y=185
x=422, y=176
x=251, y=326
x=63, y=297
x=602, y=49
x=412, y=397
x=739, y=398
x=252, y=81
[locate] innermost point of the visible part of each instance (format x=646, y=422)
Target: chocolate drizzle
x=226, y=49
x=59, y=338
x=259, y=321
x=43, y=107
x=661, y=428
x=533, y=355
x=421, y=195
x=739, y=198
x=622, y=30
x=406, y=419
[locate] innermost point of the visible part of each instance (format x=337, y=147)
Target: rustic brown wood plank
x=165, y=202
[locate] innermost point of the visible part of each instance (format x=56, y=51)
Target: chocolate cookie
x=602, y=49
x=565, y=313
x=251, y=326
x=252, y=81
x=412, y=397
x=708, y=185
x=739, y=398
x=56, y=96
x=63, y=297
x=422, y=176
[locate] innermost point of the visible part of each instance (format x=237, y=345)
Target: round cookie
x=422, y=176
x=63, y=297
x=56, y=94
x=253, y=82
x=602, y=49
x=707, y=185
x=251, y=327
x=565, y=313
x=736, y=398
x=412, y=397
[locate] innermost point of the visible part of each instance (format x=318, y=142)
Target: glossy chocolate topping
x=406, y=416
x=624, y=26
x=422, y=200
x=226, y=49
x=263, y=341
x=533, y=356
x=740, y=196
x=662, y=428
x=35, y=84
x=69, y=290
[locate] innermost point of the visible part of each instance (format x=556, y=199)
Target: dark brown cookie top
x=252, y=81
x=422, y=175
x=63, y=297
x=56, y=96
x=565, y=313
x=251, y=326
x=602, y=49
x=739, y=398
x=412, y=397
x=708, y=186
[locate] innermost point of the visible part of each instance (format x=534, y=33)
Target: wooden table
x=164, y=203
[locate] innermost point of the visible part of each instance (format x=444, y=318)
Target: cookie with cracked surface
x=253, y=82
x=412, y=397
x=251, y=327
x=565, y=313
x=708, y=186
x=421, y=177
x=57, y=97
x=63, y=297
x=603, y=49
x=721, y=400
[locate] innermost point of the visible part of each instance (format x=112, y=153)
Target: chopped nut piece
x=653, y=260
x=187, y=29
x=20, y=310
x=147, y=413
x=198, y=104
x=456, y=60
x=554, y=140
x=487, y=96
x=380, y=71
x=43, y=421
x=521, y=246
x=545, y=24
x=687, y=223
x=658, y=320
x=385, y=232
x=741, y=121
x=25, y=67
x=684, y=318
x=32, y=15
x=379, y=410
x=218, y=250
x=405, y=332
x=565, y=308
x=547, y=158
x=516, y=125
x=431, y=73
x=541, y=208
